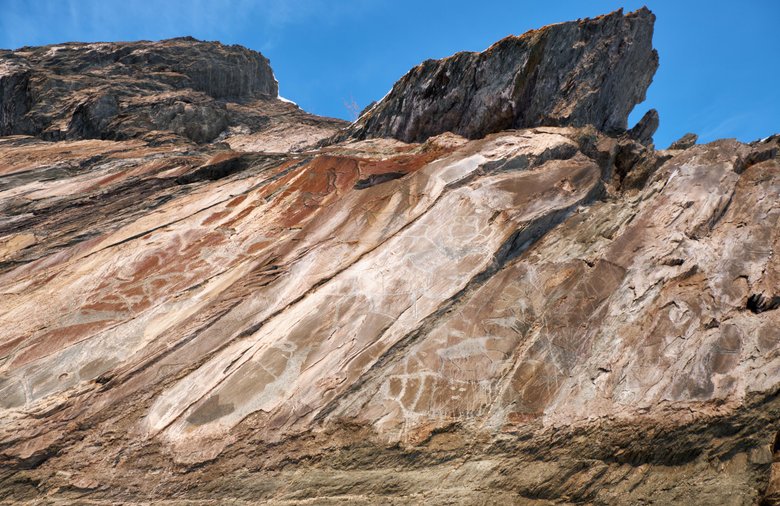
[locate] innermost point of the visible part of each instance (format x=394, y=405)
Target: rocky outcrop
x=686, y=141
x=497, y=312
x=15, y=101
x=126, y=90
x=587, y=72
x=548, y=315
x=643, y=131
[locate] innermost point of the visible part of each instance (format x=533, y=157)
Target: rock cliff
x=126, y=90
x=553, y=313
x=587, y=72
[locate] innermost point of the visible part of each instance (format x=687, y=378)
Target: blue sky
x=719, y=69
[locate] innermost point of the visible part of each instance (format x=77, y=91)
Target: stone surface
x=547, y=315
x=686, y=141
x=643, y=131
x=125, y=90
x=591, y=71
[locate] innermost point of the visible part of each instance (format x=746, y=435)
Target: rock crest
x=124, y=90
x=587, y=72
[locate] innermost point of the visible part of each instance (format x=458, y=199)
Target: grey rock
x=643, y=131
x=591, y=71
x=93, y=116
x=14, y=98
x=116, y=90
x=686, y=141
x=635, y=163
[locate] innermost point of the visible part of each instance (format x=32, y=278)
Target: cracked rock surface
x=544, y=315
x=197, y=90
x=586, y=72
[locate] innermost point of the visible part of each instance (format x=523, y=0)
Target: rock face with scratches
x=541, y=315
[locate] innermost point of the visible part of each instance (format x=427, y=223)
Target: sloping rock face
x=587, y=72
x=126, y=90
x=545, y=315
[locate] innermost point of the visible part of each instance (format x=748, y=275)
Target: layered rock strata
x=587, y=72
x=197, y=90
x=544, y=315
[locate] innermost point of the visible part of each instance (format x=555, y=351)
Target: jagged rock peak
x=644, y=129
x=117, y=90
x=590, y=71
x=686, y=141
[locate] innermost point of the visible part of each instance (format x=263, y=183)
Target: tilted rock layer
x=542, y=315
x=588, y=72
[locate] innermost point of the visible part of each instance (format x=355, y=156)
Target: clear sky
x=719, y=73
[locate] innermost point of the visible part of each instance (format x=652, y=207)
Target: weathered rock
x=643, y=131
x=587, y=72
x=686, y=141
x=15, y=101
x=124, y=90
x=542, y=316
x=493, y=293
x=635, y=163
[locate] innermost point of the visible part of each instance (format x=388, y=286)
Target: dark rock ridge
x=686, y=141
x=644, y=129
x=592, y=71
x=122, y=90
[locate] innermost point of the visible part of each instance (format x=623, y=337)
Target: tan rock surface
x=547, y=315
